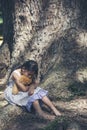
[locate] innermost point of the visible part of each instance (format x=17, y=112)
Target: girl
x=29, y=95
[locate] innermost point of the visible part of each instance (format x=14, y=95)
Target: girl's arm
x=31, y=89
x=33, y=86
x=20, y=86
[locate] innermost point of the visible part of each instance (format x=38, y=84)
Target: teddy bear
x=26, y=81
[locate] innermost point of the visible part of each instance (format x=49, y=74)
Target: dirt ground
x=17, y=118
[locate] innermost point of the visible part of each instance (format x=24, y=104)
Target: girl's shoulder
x=17, y=71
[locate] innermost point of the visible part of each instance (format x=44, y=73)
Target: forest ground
x=15, y=118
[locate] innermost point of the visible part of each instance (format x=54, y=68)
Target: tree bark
x=53, y=34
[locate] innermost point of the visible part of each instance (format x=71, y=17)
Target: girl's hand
x=37, y=81
x=31, y=90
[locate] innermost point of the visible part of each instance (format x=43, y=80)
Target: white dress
x=22, y=98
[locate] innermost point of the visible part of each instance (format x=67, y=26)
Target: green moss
x=52, y=126
x=55, y=125
x=77, y=89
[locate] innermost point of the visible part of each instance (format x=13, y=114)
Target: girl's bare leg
x=47, y=101
x=38, y=109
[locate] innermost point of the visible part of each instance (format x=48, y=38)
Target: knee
x=35, y=102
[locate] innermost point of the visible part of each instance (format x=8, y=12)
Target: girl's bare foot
x=56, y=112
x=46, y=116
x=47, y=101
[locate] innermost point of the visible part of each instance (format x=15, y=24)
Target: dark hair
x=32, y=66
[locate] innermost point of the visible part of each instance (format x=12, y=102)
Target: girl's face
x=26, y=72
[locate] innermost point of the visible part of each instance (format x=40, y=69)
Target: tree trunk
x=54, y=34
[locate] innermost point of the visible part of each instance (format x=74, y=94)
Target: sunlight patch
x=82, y=39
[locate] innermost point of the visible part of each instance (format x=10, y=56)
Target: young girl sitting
x=17, y=93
